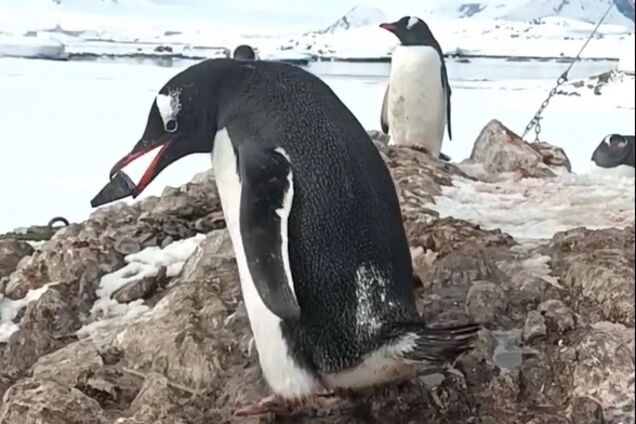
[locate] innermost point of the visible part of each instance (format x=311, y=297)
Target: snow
x=38, y=46
x=9, y=309
x=626, y=60
x=108, y=312
x=95, y=111
x=537, y=208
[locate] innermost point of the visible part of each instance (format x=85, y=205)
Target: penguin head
x=411, y=31
x=612, y=151
x=182, y=120
x=244, y=52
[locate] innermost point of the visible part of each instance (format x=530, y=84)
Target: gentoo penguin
x=615, y=150
x=315, y=224
x=416, y=105
x=244, y=52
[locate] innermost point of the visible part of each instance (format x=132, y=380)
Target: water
x=64, y=124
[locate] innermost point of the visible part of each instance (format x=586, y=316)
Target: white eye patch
x=169, y=106
x=412, y=21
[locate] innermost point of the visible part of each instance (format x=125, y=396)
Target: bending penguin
x=416, y=105
x=315, y=224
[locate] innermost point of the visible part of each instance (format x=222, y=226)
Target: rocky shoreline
x=170, y=342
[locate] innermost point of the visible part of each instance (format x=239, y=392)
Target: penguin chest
x=417, y=100
x=281, y=371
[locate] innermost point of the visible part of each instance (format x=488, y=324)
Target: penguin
x=615, y=150
x=416, y=105
x=323, y=260
x=244, y=52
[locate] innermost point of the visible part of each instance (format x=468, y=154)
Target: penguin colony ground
x=312, y=212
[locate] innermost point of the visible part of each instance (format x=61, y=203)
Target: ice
x=9, y=309
x=107, y=312
x=38, y=46
x=626, y=60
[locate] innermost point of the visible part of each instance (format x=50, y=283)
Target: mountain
x=358, y=16
x=622, y=12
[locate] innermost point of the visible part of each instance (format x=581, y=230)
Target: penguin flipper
x=267, y=192
x=384, y=115
x=447, y=91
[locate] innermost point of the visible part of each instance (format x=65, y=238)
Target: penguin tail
x=416, y=342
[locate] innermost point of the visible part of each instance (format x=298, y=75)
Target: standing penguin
x=416, y=105
x=315, y=224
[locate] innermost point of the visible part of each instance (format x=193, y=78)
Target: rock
x=3, y=283
x=126, y=246
x=142, y=288
x=534, y=327
x=485, y=301
x=46, y=402
x=558, y=317
x=45, y=325
x=586, y=411
x=11, y=252
x=604, y=369
x=499, y=150
x=597, y=268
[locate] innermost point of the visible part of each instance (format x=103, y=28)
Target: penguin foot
x=270, y=404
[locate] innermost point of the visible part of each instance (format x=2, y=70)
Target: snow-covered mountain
x=358, y=16
x=622, y=12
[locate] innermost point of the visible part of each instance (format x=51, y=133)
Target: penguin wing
x=384, y=118
x=447, y=91
x=266, y=198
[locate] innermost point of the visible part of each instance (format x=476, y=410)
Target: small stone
x=140, y=289
x=11, y=252
x=534, y=327
x=558, y=317
x=485, y=301
x=211, y=222
x=166, y=241
x=127, y=246
x=586, y=410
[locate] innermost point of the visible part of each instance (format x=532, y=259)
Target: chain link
x=535, y=122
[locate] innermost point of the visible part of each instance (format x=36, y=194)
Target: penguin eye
x=171, y=125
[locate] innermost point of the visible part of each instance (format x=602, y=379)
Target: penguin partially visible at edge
x=416, y=105
x=615, y=150
x=315, y=223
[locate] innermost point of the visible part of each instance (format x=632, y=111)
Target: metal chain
x=536, y=119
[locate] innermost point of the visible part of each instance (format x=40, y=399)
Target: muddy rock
x=45, y=402
x=499, y=150
x=11, y=252
x=142, y=288
x=485, y=301
x=418, y=179
x=597, y=268
x=586, y=410
x=534, y=327
x=557, y=316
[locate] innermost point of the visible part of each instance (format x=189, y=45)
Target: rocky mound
x=115, y=320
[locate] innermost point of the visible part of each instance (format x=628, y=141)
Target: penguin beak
x=142, y=148
x=388, y=27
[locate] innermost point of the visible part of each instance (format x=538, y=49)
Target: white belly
x=417, y=102
x=279, y=369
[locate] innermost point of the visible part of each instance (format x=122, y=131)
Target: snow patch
x=9, y=309
x=107, y=312
x=537, y=208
